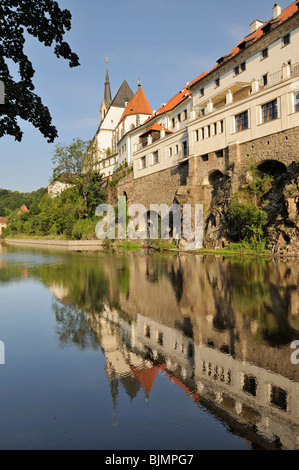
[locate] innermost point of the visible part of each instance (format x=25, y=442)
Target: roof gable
x=266, y=27
x=138, y=105
x=123, y=96
x=173, y=102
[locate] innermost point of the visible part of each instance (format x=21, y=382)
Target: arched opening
x=215, y=177
x=272, y=167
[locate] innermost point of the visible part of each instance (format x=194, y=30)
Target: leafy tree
x=74, y=163
x=44, y=20
x=12, y=200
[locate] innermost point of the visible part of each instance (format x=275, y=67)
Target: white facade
x=266, y=72
x=225, y=106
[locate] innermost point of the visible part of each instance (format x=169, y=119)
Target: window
x=170, y=152
x=202, y=92
x=196, y=136
x=147, y=331
x=237, y=70
x=160, y=338
x=202, y=134
x=265, y=53
x=176, y=149
x=185, y=114
x=241, y=121
x=243, y=66
x=221, y=127
x=217, y=82
x=278, y=397
x=265, y=80
x=215, y=128
x=172, y=122
x=142, y=163
x=202, y=112
x=269, y=111
x=249, y=384
x=208, y=131
x=286, y=40
x=179, y=117
x=155, y=157
x=296, y=99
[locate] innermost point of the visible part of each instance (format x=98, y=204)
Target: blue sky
x=164, y=42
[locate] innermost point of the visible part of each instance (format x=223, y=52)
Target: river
x=123, y=351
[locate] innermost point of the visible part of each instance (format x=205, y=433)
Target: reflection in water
x=218, y=328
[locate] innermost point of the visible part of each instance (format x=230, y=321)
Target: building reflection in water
x=219, y=328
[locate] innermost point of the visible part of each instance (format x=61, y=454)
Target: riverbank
x=160, y=246
x=65, y=244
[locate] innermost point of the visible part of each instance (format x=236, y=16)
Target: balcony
x=271, y=80
x=182, y=154
x=295, y=70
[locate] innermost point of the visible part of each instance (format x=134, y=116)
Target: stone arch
x=215, y=177
x=272, y=167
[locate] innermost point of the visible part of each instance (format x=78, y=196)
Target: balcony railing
x=295, y=70
x=182, y=154
x=271, y=80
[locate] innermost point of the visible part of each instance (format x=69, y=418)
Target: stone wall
x=236, y=159
x=157, y=188
x=202, y=171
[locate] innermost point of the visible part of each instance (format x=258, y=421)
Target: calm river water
x=136, y=351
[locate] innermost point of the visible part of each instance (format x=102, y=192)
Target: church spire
x=107, y=92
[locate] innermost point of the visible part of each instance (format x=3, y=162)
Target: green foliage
x=48, y=23
x=83, y=228
x=73, y=160
x=71, y=214
x=62, y=216
x=248, y=221
x=13, y=200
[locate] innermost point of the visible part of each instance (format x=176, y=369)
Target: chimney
x=276, y=11
x=256, y=24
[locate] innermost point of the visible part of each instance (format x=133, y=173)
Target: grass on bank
x=163, y=246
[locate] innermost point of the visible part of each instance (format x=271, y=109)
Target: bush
x=83, y=228
x=248, y=221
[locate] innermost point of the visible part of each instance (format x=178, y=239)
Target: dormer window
x=266, y=28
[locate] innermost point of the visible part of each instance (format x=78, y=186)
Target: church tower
x=107, y=94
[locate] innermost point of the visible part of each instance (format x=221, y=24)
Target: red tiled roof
x=172, y=103
x=23, y=209
x=253, y=37
x=138, y=105
x=146, y=377
x=3, y=220
x=156, y=127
